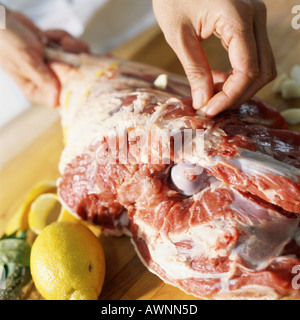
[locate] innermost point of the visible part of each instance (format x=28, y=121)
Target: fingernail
x=209, y=113
x=199, y=100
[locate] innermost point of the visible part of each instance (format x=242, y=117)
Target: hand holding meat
x=22, y=57
x=241, y=26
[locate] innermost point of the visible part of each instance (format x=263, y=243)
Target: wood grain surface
x=31, y=145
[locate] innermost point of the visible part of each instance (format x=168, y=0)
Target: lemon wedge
x=41, y=207
x=19, y=220
x=47, y=208
x=44, y=210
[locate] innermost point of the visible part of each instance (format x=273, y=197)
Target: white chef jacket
x=104, y=24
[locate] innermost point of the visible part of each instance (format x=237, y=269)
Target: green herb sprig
x=14, y=265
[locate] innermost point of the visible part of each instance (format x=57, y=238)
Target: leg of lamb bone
x=224, y=240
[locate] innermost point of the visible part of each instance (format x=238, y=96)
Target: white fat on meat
x=256, y=163
x=169, y=256
x=261, y=237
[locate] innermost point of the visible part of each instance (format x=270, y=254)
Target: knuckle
x=253, y=73
x=195, y=74
x=269, y=76
x=228, y=94
x=228, y=26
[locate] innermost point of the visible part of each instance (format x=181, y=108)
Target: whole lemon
x=67, y=262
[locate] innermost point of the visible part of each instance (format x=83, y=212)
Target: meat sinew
x=211, y=205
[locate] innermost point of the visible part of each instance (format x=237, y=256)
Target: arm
x=241, y=26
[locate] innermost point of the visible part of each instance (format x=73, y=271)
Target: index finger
x=243, y=57
x=67, y=41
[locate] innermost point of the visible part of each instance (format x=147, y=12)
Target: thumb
x=197, y=69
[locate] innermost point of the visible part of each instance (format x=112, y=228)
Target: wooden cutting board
x=31, y=145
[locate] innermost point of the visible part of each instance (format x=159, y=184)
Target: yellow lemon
x=67, y=262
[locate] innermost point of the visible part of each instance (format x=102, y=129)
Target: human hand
x=22, y=57
x=241, y=26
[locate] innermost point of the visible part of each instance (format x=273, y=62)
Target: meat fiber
x=228, y=229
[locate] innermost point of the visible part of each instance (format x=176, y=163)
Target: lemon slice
x=47, y=208
x=44, y=210
x=41, y=207
x=19, y=220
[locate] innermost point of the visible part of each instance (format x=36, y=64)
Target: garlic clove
x=295, y=73
x=279, y=82
x=292, y=116
x=161, y=82
x=290, y=89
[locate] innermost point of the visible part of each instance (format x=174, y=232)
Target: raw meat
x=238, y=235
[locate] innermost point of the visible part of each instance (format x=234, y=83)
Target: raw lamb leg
x=231, y=230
